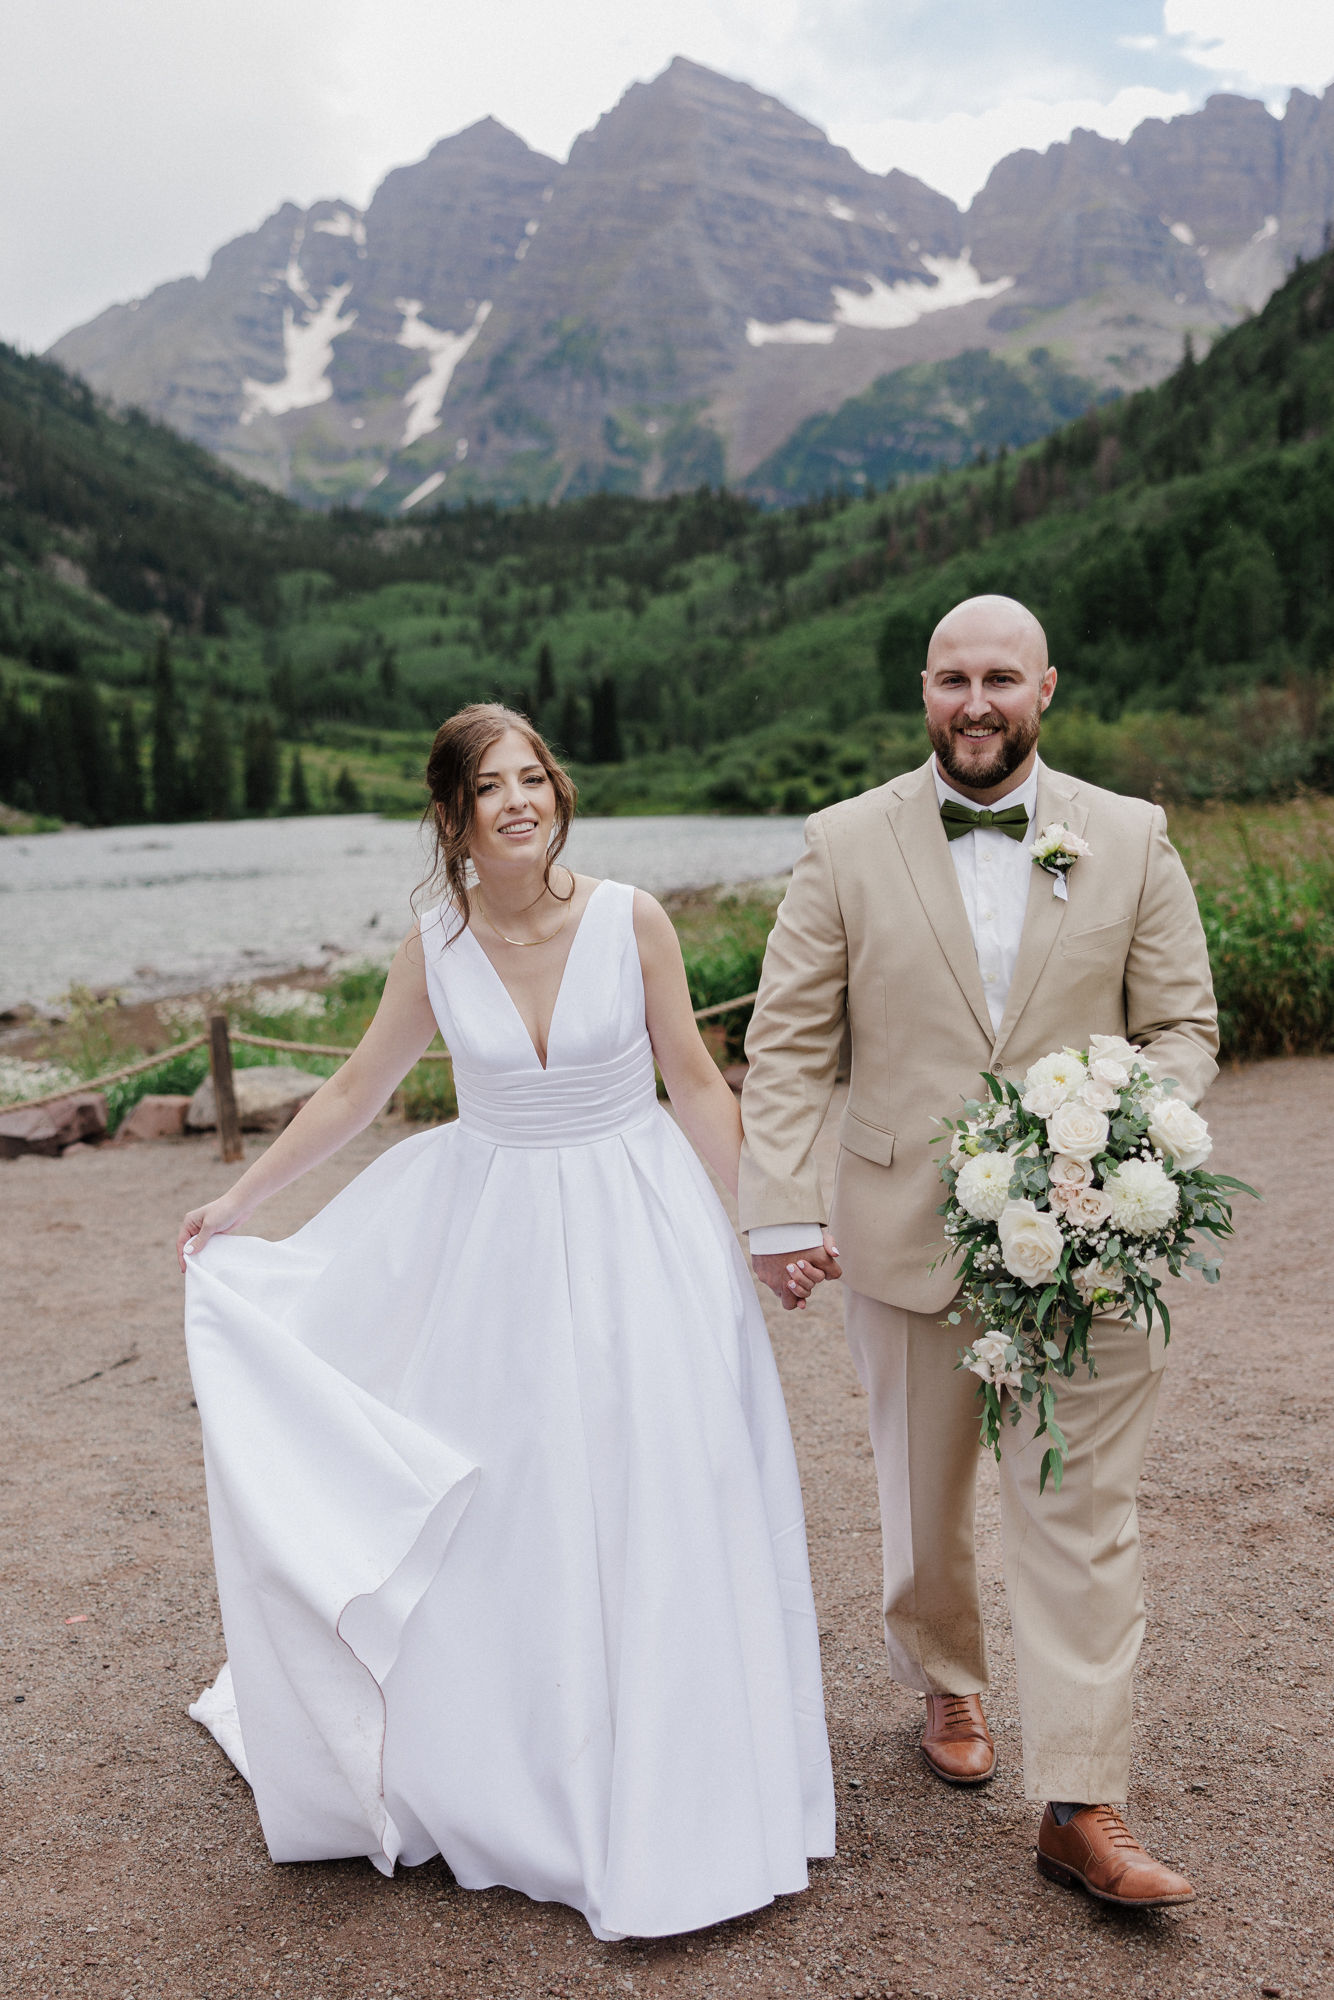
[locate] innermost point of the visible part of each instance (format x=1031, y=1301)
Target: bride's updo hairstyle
x=451, y=779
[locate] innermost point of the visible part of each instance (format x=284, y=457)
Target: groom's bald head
x=986, y=684
x=996, y=622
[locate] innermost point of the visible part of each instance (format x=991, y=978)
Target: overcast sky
x=136, y=136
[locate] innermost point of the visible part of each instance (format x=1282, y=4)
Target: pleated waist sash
x=558, y=1107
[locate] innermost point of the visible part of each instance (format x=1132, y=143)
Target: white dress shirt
x=994, y=873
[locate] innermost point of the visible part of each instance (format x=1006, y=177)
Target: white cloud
x=1257, y=48
x=957, y=152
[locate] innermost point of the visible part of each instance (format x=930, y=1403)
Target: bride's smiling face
x=514, y=806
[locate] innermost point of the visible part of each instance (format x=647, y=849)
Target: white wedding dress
x=505, y=1511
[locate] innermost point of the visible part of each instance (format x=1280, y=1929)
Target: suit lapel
x=914, y=815
x=1057, y=799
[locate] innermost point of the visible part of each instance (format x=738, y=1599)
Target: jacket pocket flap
x=869, y=1142
x=1097, y=938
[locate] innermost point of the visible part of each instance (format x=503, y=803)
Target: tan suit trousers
x=1072, y=1559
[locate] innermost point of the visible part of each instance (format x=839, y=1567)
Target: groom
x=917, y=916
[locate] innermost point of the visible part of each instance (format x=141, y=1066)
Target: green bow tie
x=959, y=820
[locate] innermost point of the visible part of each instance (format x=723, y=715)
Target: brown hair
x=451, y=778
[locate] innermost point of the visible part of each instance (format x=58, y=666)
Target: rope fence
x=218, y=1039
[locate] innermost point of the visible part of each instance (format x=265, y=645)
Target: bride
x=505, y=1513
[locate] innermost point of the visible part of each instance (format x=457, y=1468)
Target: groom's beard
x=1004, y=753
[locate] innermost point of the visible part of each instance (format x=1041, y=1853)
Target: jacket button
x=998, y=1069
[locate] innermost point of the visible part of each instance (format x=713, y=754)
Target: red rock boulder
x=49, y=1128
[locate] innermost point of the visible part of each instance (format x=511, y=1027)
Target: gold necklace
x=524, y=941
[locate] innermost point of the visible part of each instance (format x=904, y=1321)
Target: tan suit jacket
x=873, y=930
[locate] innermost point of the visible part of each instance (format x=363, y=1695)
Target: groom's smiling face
x=986, y=685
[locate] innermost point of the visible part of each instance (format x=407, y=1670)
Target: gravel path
x=131, y=1859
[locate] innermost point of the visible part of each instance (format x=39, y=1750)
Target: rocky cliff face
x=705, y=273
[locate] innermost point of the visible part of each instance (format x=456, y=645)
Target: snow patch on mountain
x=307, y=353
x=882, y=306
x=346, y=222
x=838, y=209
x=789, y=333
x=431, y=484
x=425, y=399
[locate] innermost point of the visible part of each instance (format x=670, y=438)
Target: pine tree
x=298, y=796
x=130, y=805
x=57, y=780
x=283, y=694
x=260, y=773
x=167, y=777
x=18, y=749
x=212, y=761
x=91, y=745
x=605, y=726
x=546, y=675
x=347, y=792
x=570, y=734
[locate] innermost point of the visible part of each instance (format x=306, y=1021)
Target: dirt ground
x=131, y=1859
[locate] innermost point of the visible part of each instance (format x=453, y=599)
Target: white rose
x=1091, y=1278
x=1109, y=1070
x=1071, y=1173
x=1031, y=1242
x=1085, y=1208
x=1174, y=1128
x=1144, y=1197
x=1050, y=1081
x=1112, y=1048
x=1099, y=1092
x=1058, y=839
x=991, y=1361
x=983, y=1186
x=1077, y=1129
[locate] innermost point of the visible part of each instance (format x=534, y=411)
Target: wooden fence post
x=224, y=1090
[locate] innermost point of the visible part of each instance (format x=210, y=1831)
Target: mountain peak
x=485, y=140
x=705, y=272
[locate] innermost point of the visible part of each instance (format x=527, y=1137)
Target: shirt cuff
x=775, y=1239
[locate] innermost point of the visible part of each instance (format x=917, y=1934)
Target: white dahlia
x=1143, y=1195
x=983, y=1186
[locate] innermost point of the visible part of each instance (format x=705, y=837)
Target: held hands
x=215, y=1218
x=792, y=1279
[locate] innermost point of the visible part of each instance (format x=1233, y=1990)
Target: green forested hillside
x=184, y=636
x=922, y=419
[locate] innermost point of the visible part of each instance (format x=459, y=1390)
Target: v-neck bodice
x=598, y=1076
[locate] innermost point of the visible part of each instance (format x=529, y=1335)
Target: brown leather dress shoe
x=956, y=1741
x=1097, y=1851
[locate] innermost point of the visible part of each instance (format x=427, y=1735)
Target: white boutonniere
x=1055, y=851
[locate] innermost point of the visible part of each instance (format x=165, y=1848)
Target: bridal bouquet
x=1065, y=1193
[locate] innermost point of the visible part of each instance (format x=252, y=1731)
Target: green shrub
x=1265, y=884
